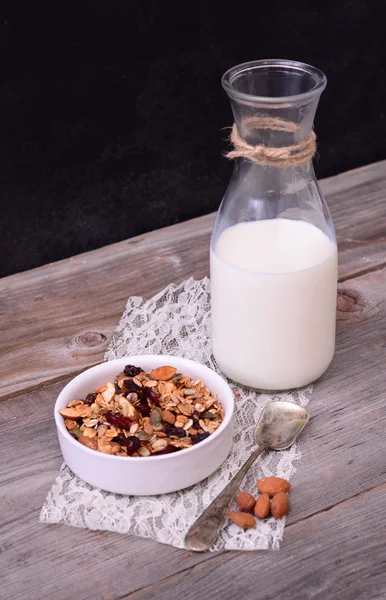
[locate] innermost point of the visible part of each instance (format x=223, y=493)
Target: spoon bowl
x=280, y=424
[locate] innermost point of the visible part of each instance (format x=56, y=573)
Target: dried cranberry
x=117, y=389
x=195, y=415
x=150, y=394
x=90, y=398
x=131, y=443
x=132, y=371
x=144, y=408
x=167, y=428
x=130, y=386
x=177, y=431
x=196, y=424
x=166, y=450
x=196, y=439
x=120, y=439
x=118, y=420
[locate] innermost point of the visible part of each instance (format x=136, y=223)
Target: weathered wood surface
x=59, y=318
x=334, y=544
x=331, y=522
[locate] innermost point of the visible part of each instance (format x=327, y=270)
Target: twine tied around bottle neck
x=283, y=156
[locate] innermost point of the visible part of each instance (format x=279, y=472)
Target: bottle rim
x=317, y=77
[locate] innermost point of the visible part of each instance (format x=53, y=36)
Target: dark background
x=112, y=113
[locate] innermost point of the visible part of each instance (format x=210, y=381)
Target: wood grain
x=333, y=513
x=59, y=318
x=321, y=558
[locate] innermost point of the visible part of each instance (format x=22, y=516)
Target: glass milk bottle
x=273, y=257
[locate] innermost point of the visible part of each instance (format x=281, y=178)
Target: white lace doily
x=177, y=321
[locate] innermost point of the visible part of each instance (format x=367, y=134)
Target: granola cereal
x=144, y=413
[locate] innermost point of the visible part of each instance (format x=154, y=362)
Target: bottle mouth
x=273, y=81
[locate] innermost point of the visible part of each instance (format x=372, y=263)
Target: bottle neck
x=274, y=104
x=274, y=126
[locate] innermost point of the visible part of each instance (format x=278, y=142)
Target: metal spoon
x=279, y=425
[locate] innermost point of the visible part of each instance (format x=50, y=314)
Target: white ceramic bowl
x=154, y=474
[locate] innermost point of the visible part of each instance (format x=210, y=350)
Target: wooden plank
x=348, y=405
x=357, y=202
x=335, y=554
x=348, y=421
x=321, y=557
x=59, y=318
x=59, y=562
x=46, y=561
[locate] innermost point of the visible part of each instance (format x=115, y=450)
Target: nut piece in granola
x=142, y=413
x=163, y=373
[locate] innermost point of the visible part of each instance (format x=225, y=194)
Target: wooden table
x=58, y=319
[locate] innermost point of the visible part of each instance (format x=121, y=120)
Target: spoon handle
x=205, y=530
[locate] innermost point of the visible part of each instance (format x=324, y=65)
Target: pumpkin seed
x=156, y=417
x=143, y=436
x=208, y=415
x=176, y=376
x=76, y=432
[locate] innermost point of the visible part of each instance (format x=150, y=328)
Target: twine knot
x=283, y=156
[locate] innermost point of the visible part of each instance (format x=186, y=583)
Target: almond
x=79, y=412
x=262, y=506
x=272, y=485
x=241, y=519
x=86, y=441
x=245, y=502
x=168, y=417
x=279, y=505
x=163, y=373
x=70, y=413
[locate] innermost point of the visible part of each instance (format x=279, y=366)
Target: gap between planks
x=371, y=282
x=220, y=555
x=74, y=372
x=225, y=555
